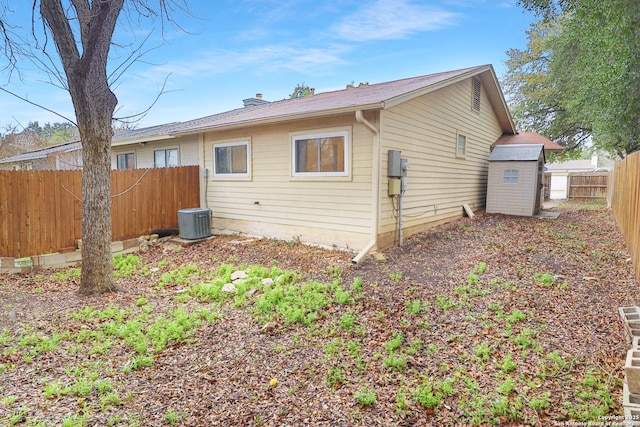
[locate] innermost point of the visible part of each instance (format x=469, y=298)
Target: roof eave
x=140, y=140
x=391, y=102
x=496, y=97
x=14, y=159
x=498, y=100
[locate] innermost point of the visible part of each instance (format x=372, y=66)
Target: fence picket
x=626, y=204
x=41, y=211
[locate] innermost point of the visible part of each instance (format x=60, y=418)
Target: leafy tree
x=300, y=91
x=71, y=40
x=55, y=133
x=591, y=70
x=352, y=84
x=597, y=58
x=535, y=97
x=7, y=138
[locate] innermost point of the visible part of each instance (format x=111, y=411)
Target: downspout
x=375, y=193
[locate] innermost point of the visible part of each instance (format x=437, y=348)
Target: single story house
x=315, y=168
x=155, y=146
x=67, y=156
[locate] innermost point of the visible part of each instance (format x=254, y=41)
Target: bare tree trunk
x=97, y=269
x=94, y=104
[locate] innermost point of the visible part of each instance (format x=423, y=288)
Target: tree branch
x=37, y=105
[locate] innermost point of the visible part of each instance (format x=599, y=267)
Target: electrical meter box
x=394, y=186
x=394, y=164
x=404, y=166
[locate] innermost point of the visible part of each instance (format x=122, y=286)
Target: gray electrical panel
x=394, y=165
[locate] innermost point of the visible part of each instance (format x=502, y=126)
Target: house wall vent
x=476, y=93
x=194, y=223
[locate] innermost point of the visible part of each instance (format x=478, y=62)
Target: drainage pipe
x=375, y=182
x=400, y=212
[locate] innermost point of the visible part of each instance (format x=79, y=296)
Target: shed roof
x=529, y=138
x=516, y=153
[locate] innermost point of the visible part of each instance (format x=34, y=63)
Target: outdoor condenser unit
x=194, y=223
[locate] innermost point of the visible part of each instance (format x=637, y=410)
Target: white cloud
x=264, y=58
x=397, y=19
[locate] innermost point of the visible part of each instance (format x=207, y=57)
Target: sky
x=224, y=51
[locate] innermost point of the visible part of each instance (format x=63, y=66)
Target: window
x=461, y=147
x=126, y=161
x=231, y=159
x=165, y=158
x=475, y=105
x=510, y=176
x=323, y=154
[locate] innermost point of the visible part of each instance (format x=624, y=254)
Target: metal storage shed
x=514, y=185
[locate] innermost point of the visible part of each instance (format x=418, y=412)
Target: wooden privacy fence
x=590, y=185
x=626, y=203
x=41, y=211
x=581, y=185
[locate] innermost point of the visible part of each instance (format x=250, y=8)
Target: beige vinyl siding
x=438, y=182
x=188, y=154
x=512, y=199
x=71, y=160
x=326, y=210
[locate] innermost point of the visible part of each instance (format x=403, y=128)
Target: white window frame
x=322, y=134
x=511, y=176
x=464, y=154
x=126, y=154
x=229, y=144
x=165, y=156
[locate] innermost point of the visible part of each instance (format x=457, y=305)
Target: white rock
x=267, y=281
x=236, y=275
x=229, y=288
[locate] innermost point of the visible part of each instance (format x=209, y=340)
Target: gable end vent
x=476, y=94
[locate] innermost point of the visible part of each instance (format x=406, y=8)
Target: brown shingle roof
x=372, y=96
x=529, y=138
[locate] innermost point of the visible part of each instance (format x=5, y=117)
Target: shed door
x=539, y=187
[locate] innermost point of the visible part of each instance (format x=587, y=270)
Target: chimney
x=252, y=102
x=313, y=91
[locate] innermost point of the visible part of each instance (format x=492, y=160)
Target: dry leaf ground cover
x=497, y=320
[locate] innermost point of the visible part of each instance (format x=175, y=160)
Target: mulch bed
x=567, y=275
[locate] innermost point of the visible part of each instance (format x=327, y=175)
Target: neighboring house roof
x=572, y=165
x=43, y=153
x=529, y=138
x=598, y=162
x=516, y=152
